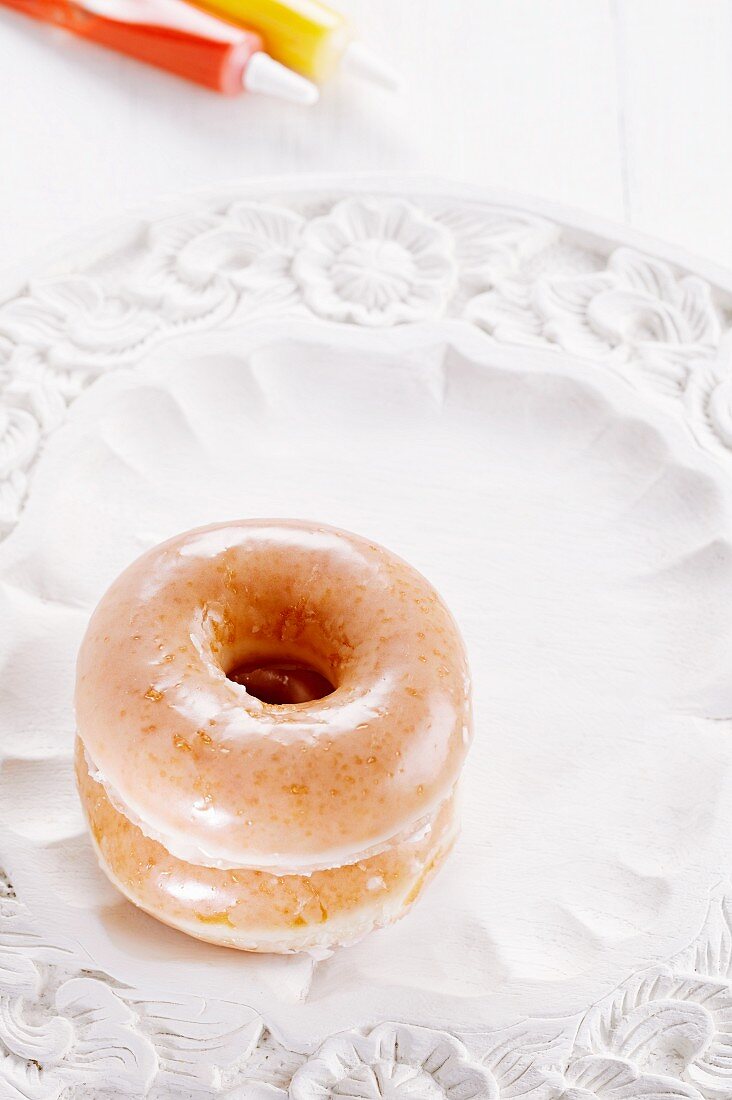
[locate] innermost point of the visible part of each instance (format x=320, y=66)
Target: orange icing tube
x=174, y=36
x=306, y=35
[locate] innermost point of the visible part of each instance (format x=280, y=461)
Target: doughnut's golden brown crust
x=255, y=910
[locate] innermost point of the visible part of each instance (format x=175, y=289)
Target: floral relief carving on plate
x=368, y=260
x=378, y=261
x=662, y=1034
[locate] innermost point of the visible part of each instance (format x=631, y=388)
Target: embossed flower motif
x=54, y=339
x=671, y=1024
x=719, y=408
x=375, y=262
x=708, y=397
x=636, y=307
x=266, y=1073
x=30, y=382
x=393, y=1062
x=594, y=1078
x=74, y=324
x=491, y=243
x=87, y=1040
x=19, y=438
x=34, y=400
x=198, y=264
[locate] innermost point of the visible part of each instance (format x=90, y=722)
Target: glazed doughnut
x=271, y=826
x=257, y=910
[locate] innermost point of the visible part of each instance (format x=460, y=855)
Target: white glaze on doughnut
x=224, y=779
x=183, y=850
x=258, y=910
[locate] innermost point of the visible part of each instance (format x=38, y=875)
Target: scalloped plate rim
x=604, y=230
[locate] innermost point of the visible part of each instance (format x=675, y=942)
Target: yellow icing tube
x=306, y=35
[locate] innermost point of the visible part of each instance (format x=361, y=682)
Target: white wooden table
x=620, y=107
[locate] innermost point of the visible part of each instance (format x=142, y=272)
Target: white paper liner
x=582, y=543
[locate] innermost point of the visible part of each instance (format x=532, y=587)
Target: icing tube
x=174, y=36
x=308, y=36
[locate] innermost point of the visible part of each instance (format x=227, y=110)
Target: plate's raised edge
x=597, y=232
x=520, y=273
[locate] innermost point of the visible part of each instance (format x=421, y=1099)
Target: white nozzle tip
x=265, y=75
x=362, y=61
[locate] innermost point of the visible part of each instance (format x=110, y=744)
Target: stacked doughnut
x=271, y=825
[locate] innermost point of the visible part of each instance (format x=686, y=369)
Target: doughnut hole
x=270, y=628
x=282, y=682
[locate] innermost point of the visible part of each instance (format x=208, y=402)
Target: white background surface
x=619, y=107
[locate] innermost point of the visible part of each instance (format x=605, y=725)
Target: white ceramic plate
x=541, y=429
